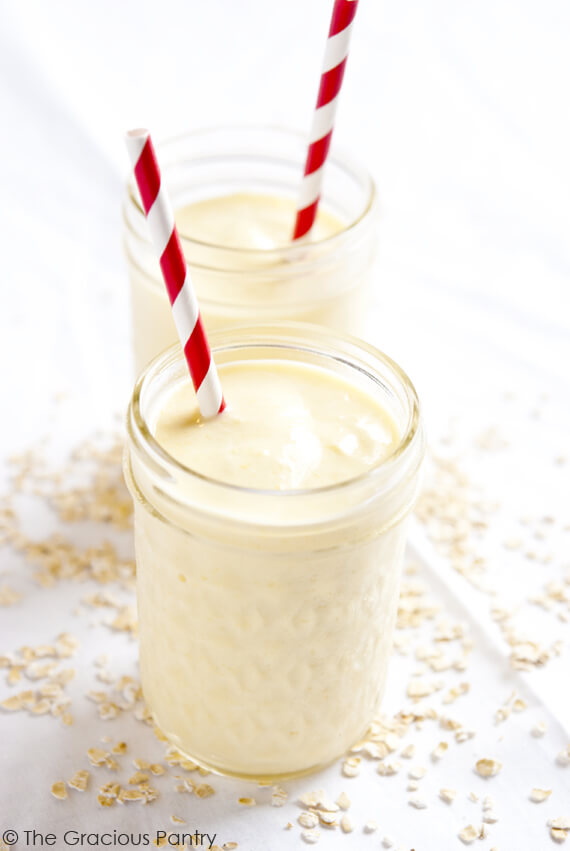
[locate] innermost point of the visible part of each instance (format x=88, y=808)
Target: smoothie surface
x=287, y=426
x=249, y=221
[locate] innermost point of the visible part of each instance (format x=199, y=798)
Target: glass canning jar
x=326, y=281
x=266, y=616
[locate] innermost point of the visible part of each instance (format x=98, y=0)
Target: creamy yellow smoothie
x=234, y=196
x=258, y=228
x=268, y=557
x=250, y=221
x=287, y=426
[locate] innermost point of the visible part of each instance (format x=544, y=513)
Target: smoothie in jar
x=234, y=192
x=269, y=543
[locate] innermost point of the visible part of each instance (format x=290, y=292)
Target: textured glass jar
x=266, y=617
x=326, y=281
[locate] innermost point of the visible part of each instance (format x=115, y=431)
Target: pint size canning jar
x=266, y=616
x=243, y=263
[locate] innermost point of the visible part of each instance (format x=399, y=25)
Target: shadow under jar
x=254, y=272
x=266, y=616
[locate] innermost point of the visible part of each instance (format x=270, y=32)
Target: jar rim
x=284, y=335
x=337, y=156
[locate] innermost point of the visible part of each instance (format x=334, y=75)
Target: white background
x=460, y=110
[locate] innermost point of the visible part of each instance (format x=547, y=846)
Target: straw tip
x=135, y=140
x=137, y=133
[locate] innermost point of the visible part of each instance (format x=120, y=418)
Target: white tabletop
x=460, y=111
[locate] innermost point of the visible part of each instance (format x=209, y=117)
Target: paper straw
x=176, y=274
x=336, y=54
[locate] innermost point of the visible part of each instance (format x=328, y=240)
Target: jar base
x=255, y=777
x=258, y=777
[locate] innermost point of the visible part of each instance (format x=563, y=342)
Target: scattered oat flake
x=343, y=801
x=387, y=842
x=473, y=797
x=308, y=820
x=328, y=819
x=417, y=772
x=502, y=714
x=540, y=795
x=14, y=676
x=455, y=692
x=229, y=846
x=488, y=767
x=59, y=790
x=447, y=795
x=370, y=826
x=130, y=795
x=79, y=780
x=159, y=734
x=247, y=802
x=561, y=822
x=204, y=790
x=138, y=777
x=346, y=824
x=9, y=597
x=97, y=696
x=311, y=799
x=13, y=703
x=108, y=710
x=527, y=655
x=438, y=752
x=389, y=768
x=408, y=751
x=490, y=817
x=311, y=837
x=111, y=790
x=96, y=756
x=450, y=723
x=351, y=766
x=418, y=803
x=468, y=834
x=278, y=796
x=420, y=688
x=177, y=820
x=464, y=735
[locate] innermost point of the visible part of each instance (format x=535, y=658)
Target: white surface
x=460, y=111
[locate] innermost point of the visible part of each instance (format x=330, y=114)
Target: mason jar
x=266, y=616
x=326, y=281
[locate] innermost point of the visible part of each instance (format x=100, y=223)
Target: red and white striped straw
x=336, y=54
x=176, y=274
